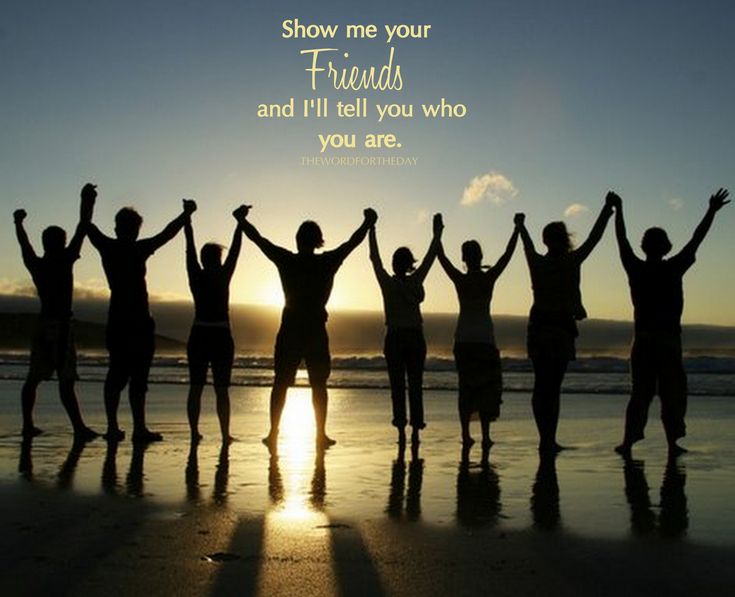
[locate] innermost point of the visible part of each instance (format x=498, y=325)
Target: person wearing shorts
x=52, y=344
x=130, y=335
x=307, y=278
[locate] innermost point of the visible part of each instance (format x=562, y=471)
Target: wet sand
x=59, y=543
x=362, y=518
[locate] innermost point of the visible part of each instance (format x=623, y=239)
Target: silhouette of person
x=210, y=340
x=552, y=323
x=476, y=356
x=307, y=278
x=405, y=346
x=656, y=289
x=52, y=344
x=130, y=335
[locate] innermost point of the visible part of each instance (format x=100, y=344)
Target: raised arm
x=26, y=249
x=595, y=234
x=520, y=221
x=192, y=262
x=236, y=244
x=172, y=228
x=375, y=259
x=448, y=267
x=437, y=228
x=504, y=260
x=86, y=209
x=624, y=248
x=370, y=217
x=270, y=250
x=716, y=203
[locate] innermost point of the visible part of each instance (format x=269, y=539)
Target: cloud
x=575, y=209
x=16, y=287
x=676, y=204
x=492, y=186
x=422, y=216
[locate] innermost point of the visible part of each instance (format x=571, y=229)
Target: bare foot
x=146, y=437
x=676, y=450
x=551, y=448
x=325, y=441
x=31, y=431
x=85, y=434
x=270, y=441
x=114, y=434
x=624, y=450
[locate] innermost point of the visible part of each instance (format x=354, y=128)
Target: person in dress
x=476, y=356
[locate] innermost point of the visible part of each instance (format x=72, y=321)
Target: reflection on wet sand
x=25, y=463
x=545, y=495
x=673, y=514
x=398, y=495
x=478, y=492
x=134, y=482
x=221, y=477
x=109, y=469
x=65, y=478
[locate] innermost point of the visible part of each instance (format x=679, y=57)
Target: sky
x=157, y=101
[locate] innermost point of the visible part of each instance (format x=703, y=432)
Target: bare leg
x=112, y=402
x=278, y=401
x=319, y=400
x=485, y=424
x=193, y=408
x=141, y=433
x=28, y=401
x=71, y=404
x=223, y=413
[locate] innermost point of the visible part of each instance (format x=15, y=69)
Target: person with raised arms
x=130, y=335
x=307, y=278
x=210, y=340
x=552, y=323
x=657, y=293
x=52, y=343
x=405, y=345
x=476, y=355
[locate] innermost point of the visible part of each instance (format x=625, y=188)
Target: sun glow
x=271, y=294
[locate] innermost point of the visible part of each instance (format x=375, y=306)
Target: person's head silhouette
x=309, y=237
x=53, y=239
x=127, y=224
x=472, y=255
x=211, y=255
x=403, y=261
x=655, y=243
x=557, y=239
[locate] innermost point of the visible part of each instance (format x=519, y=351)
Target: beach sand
x=362, y=519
